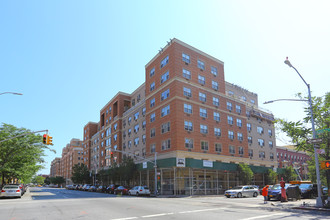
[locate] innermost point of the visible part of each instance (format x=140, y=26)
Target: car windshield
x=10, y=187
x=276, y=187
x=305, y=186
x=146, y=187
x=237, y=187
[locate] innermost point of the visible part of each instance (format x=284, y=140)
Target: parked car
x=121, y=190
x=274, y=192
x=139, y=190
x=111, y=188
x=11, y=191
x=101, y=189
x=92, y=189
x=308, y=190
x=325, y=190
x=242, y=191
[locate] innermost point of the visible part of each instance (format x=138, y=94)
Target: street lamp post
x=317, y=166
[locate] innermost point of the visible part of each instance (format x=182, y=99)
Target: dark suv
x=308, y=190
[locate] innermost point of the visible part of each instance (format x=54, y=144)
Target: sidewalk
x=304, y=204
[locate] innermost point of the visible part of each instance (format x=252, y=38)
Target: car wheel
x=137, y=194
x=228, y=196
x=121, y=193
x=239, y=195
x=255, y=194
x=129, y=193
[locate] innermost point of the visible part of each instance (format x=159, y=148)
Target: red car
x=121, y=190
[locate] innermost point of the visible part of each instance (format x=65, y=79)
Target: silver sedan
x=11, y=191
x=242, y=191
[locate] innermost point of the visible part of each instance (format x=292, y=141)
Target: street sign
x=322, y=130
x=315, y=141
x=320, y=151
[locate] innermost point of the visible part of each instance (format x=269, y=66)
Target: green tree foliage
x=38, y=180
x=289, y=174
x=80, y=174
x=271, y=177
x=301, y=131
x=20, y=157
x=58, y=180
x=245, y=174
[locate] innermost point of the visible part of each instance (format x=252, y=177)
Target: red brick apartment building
x=198, y=126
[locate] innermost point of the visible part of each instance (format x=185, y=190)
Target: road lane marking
x=262, y=216
x=200, y=210
x=128, y=218
x=157, y=215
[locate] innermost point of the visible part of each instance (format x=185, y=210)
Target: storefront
x=188, y=176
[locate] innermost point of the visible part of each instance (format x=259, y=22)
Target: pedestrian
x=265, y=193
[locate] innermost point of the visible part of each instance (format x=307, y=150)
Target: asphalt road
x=62, y=204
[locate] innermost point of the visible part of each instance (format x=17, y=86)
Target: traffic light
x=49, y=140
x=44, y=139
x=325, y=165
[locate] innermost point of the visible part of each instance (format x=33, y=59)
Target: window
x=189, y=143
x=232, y=150
x=152, y=132
x=129, y=132
x=166, y=144
x=261, y=142
x=136, y=141
x=240, y=150
x=136, y=116
x=129, y=120
x=238, y=109
x=217, y=132
x=144, y=111
x=239, y=122
x=133, y=102
x=144, y=139
x=201, y=79
x=152, y=117
x=152, y=86
x=247, y=113
x=186, y=74
x=115, y=137
x=262, y=154
x=188, y=125
x=129, y=144
x=138, y=98
x=214, y=71
x=260, y=130
x=186, y=92
x=252, y=101
x=136, y=128
x=165, y=111
x=164, y=62
x=231, y=135
x=115, y=127
x=271, y=156
x=152, y=72
x=203, y=112
x=204, y=145
x=216, y=101
x=270, y=143
x=248, y=125
x=165, y=94
x=185, y=58
x=218, y=147
x=164, y=77
x=202, y=97
x=153, y=148
x=270, y=133
x=230, y=120
x=187, y=108
x=216, y=116
x=239, y=136
x=203, y=129
x=249, y=139
x=215, y=85
x=250, y=153
x=166, y=127
x=152, y=102
x=229, y=106
x=200, y=65
x=243, y=98
x=124, y=135
x=144, y=125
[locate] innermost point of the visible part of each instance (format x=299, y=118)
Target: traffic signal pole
x=22, y=135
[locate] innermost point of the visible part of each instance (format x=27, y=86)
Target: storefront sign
x=207, y=163
x=181, y=162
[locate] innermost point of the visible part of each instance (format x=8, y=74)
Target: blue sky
x=69, y=58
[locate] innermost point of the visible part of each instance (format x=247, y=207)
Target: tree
x=38, y=180
x=289, y=174
x=301, y=131
x=245, y=173
x=271, y=177
x=21, y=153
x=58, y=180
x=80, y=174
